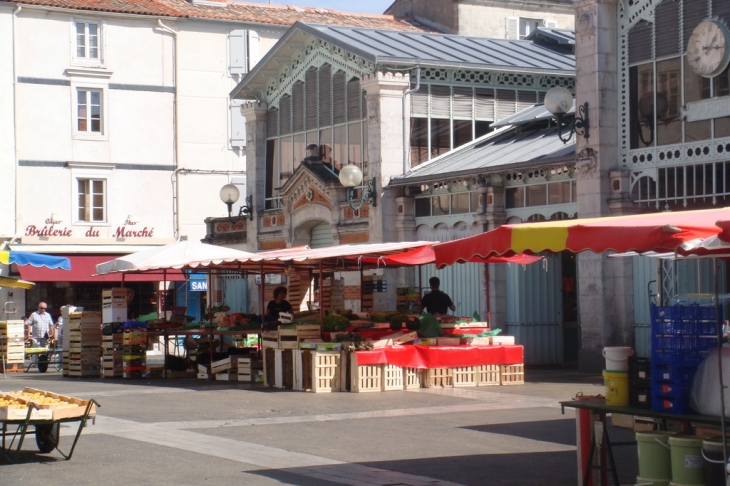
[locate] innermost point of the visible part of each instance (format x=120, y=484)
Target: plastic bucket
x=654, y=458
x=617, y=358
x=688, y=466
x=617, y=388
x=714, y=462
x=651, y=482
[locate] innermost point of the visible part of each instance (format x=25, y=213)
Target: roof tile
x=235, y=11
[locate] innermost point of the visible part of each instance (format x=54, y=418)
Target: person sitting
x=278, y=305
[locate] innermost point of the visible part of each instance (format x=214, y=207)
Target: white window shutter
x=551, y=24
x=254, y=48
x=237, y=63
x=512, y=30
x=238, y=125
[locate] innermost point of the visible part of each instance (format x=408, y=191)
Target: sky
x=360, y=6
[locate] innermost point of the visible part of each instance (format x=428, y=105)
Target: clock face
x=708, y=50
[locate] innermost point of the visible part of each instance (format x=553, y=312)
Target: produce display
x=14, y=405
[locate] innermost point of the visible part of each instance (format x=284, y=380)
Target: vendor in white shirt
x=40, y=325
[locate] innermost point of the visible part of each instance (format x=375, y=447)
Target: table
x=416, y=356
x=600, y=409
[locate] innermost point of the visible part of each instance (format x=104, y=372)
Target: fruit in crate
x=4, y=402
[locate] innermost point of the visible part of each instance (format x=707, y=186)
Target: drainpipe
x=405, y=133
x=15, y=119
x=175, y=129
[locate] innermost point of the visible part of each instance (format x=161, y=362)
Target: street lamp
x=559, y=101
x=229, y=195
x=649, y=111
x=351, y=177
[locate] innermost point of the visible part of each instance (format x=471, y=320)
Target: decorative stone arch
x=306, y=218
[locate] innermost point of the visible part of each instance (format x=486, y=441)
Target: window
x=88, y=40
x=88, y=110
x=91, y=200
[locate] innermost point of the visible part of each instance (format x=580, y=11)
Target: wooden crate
x=309, y=331
x=488, y=375
x=269, y=366
x=438, y=377
x=412, y=378
x=317, y=371
x=287, y=369
x=464, y=376
x=392, y=377
x=365, y=378
x=223, y=365
x=513, y=374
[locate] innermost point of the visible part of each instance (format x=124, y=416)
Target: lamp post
x=229, y=195
x=559, y=101
x=351, y=177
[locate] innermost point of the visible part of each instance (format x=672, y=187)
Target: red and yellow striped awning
x=640, y=233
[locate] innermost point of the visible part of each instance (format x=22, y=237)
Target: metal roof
x=444, y=50
x=560, y=36
x=506, y=148
x=405, y=49
x=528, y=115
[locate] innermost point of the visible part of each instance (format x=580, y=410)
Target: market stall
x=681, y=335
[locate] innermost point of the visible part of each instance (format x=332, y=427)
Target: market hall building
x=340, y=91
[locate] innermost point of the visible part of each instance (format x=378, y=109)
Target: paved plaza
x=190, y=432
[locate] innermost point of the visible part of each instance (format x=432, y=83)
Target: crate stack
x=12, y=344
x=84, y=350
x=114, y=305
x=407, y=300
x=640, y=382
x=134, y=350
x=680, y=339
x=112, y=352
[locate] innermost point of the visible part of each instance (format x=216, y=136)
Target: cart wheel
x=57, y=365
x=42, y=363
x=46, y=437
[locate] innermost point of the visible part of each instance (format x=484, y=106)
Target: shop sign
x=707, y=109
x=198, y=285
x=270, y=279
x=48, y=230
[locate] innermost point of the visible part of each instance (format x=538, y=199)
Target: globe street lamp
x=351, y=177
x=559, y=101
x=229, y=195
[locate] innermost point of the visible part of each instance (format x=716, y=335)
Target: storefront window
x=460, y=203
x=696, y=88
x=440, y=136
x=514, y=197
x=440, y=205
x=419, y=140
x=641, y=87
x=559, y=192
x=423, y=207
x=537, y=195
x=669, y=118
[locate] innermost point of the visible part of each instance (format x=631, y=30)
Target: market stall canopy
x=641, y=233
x=182, y=254
x=14, y=283
x=425, y=255
x=83, y=269
x=34, y=259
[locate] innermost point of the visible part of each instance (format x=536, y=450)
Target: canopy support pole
x=420, y=286
x=262, y=295
x=719, y=334
x=362, y=289
x=321, y=298
x=164, y=323
x=486, y=294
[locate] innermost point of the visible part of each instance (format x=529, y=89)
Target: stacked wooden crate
x=114, y=305
x=225, y=369
x=134, y=350
x=12, y=344
x=319, y=371
x=112, y=354
x=366, y=304
x=84, y=335
x=375, y=291
x=337, y=294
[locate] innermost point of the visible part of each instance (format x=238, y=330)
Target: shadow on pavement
x=555, y=431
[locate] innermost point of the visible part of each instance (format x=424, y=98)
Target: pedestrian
x=436, y=302
x=40, y=325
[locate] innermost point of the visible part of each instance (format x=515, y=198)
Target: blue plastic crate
x=684, y=319
x=672, y=397
x=677, y=358
x=676, y=374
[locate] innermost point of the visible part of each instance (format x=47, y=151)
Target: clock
x=708, y=50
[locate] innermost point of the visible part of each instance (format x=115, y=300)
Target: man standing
x=436, y=302
x=40, y=324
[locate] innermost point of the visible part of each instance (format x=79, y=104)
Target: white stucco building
x=116, y=127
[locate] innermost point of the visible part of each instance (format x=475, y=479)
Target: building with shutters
x=498, y=19
x=117, y=126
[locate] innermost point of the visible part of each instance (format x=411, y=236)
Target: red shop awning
x=84, y=266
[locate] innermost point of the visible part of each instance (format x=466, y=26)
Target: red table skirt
x=376, y=334
x=414, y=356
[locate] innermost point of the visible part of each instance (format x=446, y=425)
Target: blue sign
x=198, y=285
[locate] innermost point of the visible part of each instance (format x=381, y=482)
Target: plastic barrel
x=714, y=462
x=617, y=388
x=654, y=458
x=687, y=463
x=617, y=357
x=651, y=482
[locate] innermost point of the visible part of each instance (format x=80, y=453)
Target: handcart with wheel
x=46, y=426
x=42, y=358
